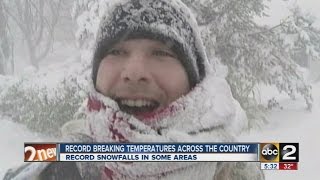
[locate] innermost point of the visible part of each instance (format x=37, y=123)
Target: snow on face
x=142, y=75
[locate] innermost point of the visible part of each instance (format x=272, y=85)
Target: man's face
x=142, y=75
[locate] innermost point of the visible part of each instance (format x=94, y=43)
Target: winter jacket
x=210, y=114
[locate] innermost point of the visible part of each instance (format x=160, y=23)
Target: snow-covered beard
x=206, y=114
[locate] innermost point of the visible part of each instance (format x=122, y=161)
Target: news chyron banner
x=277, y=156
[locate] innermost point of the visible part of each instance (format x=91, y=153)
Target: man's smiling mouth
x=137, y=106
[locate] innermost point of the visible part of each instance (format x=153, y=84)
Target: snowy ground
x=12, y=137
x=292, y=124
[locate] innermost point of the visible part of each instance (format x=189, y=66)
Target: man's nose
x=135, y=69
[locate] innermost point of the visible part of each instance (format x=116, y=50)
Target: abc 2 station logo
x=279, y=152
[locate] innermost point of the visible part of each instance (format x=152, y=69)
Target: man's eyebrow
x=169, y=51
x=164, y=46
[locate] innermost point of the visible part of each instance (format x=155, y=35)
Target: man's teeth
x=136, y=103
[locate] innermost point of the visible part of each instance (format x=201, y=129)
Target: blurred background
x=268, y=50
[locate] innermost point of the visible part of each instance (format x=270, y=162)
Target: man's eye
x=162, y=53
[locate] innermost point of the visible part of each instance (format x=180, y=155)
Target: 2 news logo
x=279, y=152
x=40, y=152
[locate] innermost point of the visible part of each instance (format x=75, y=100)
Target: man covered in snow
x=152, y=82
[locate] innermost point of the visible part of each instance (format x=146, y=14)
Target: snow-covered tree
x=36, y=20
x=301, y=37
x=44, y=100
x=253, y=54
x=6, y=44
x=87, y=14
